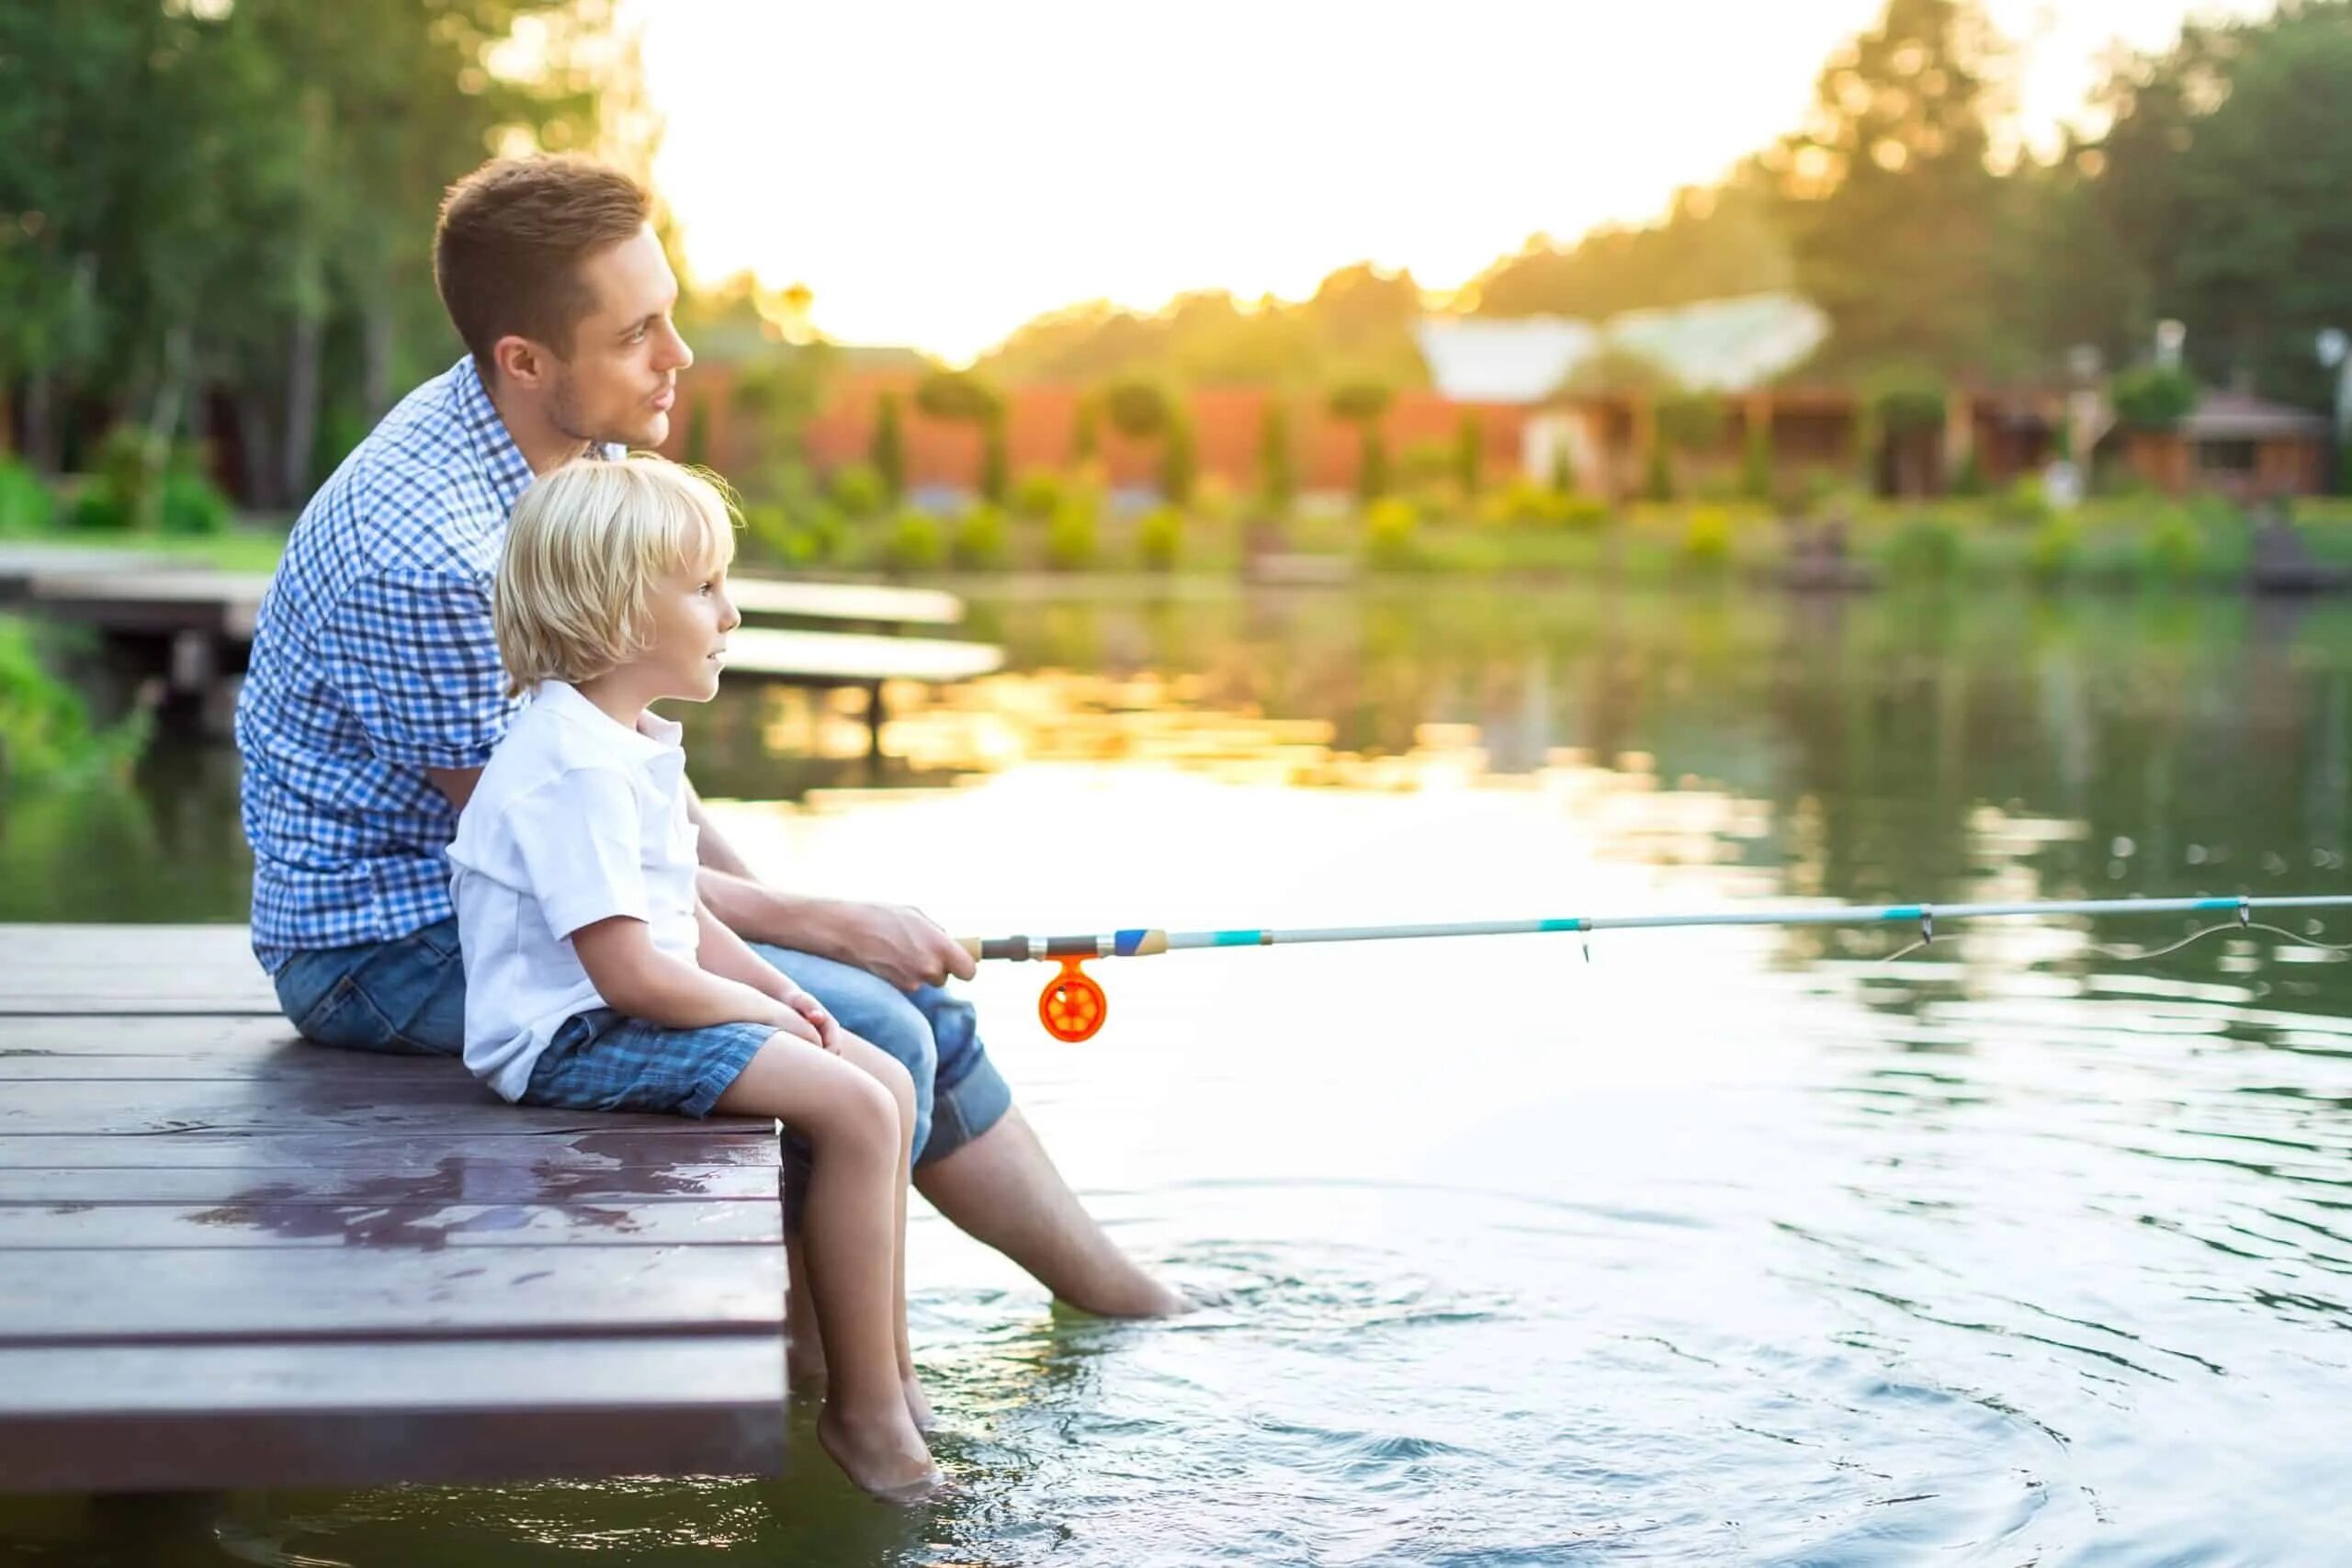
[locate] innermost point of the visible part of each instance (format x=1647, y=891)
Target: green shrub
x=1072, y=537
x=1581, y=513
x=189, y=504
x=1658, y=479
x=2057, y=549
x=46, y=736
x=1970, y=478
x=1706, y=538
x=857, y=489
x=996, y=462
x=982, y=542
x=1391, y=530
x=25, y=504
x=916, y=543
x=1755, y=462
x=1160, y=539
x=1925, y=549
x=1563, y=470
x=1691, y=422
x=1037, y=493
x=2025, y=502
x=2153, y=397
x=768, y=528
x=2174, y=548
x=97, y=510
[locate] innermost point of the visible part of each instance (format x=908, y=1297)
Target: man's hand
x=904, y=946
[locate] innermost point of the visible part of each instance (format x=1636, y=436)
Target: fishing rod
x=1073, y=1006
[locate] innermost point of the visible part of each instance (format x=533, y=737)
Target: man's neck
x=535, y=436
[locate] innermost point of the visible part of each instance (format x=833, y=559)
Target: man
x=375, y=694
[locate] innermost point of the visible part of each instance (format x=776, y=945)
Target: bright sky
x=938, y=172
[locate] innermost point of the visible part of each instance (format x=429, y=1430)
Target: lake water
x=1711, y=1245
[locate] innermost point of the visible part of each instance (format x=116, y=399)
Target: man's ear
x=521, y=362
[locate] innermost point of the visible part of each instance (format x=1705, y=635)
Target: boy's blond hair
x=586, y=546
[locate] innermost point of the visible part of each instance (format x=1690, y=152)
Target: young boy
x=596, y=978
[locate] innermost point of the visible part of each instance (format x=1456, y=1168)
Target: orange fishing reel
x=1072, y=1006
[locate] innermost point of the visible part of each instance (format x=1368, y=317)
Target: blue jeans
x=409, y=996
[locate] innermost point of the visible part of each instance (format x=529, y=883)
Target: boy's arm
x=636, y=977
x=721, y=953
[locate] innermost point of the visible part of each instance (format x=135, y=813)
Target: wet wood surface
x=230, y=1258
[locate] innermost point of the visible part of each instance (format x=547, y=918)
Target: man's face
x=621, y=376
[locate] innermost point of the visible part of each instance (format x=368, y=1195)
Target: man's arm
x=902, y=946
x=457, y=784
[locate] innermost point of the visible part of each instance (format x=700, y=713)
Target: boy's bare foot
x=918, y=1407
x=885, y=1457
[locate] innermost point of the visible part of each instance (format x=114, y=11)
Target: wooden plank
x=224, y=602
x=120, y=969
x=855, y=658
x=510, y=1142
x=451, y=1180
x=768, y=596
x=20, y=563
x=459, y=1106
x=254, y=1220
x=146, y=1034
x=370, y=1293
x=286, y=1061
x=139, y=1417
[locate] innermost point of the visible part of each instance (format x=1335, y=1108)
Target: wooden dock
x=230, y=1258
x=193, y=629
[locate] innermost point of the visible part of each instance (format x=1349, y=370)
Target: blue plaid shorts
x=602, y=1060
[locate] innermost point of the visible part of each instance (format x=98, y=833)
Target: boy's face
x=621, y=376
x=692, y=616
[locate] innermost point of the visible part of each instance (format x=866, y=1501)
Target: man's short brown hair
x=506, y=255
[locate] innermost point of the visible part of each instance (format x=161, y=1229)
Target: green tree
x=2221, y=183
x=1895, y=219
x=959, y=397
x=889, y=451
x=996, y=464
x=1361, y=403
x=1277, y=469
x=1716, y=243
x=1755, y=459
x=1179, y=464
x=1469, y=446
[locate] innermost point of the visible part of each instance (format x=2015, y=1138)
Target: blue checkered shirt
x=374, y=659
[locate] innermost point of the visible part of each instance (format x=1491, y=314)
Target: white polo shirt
x=577, y=818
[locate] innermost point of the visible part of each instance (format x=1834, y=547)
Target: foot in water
x=884, y=1457
x=918, y=1407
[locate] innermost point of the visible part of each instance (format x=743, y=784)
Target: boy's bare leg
x=892, y=1074
x=804, y=1347
x=856, y=1135
x=1002, y=1189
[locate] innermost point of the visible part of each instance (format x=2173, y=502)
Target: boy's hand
x=811, y=1013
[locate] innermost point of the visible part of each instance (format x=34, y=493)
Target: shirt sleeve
x=577, y=838
x=416, y=657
